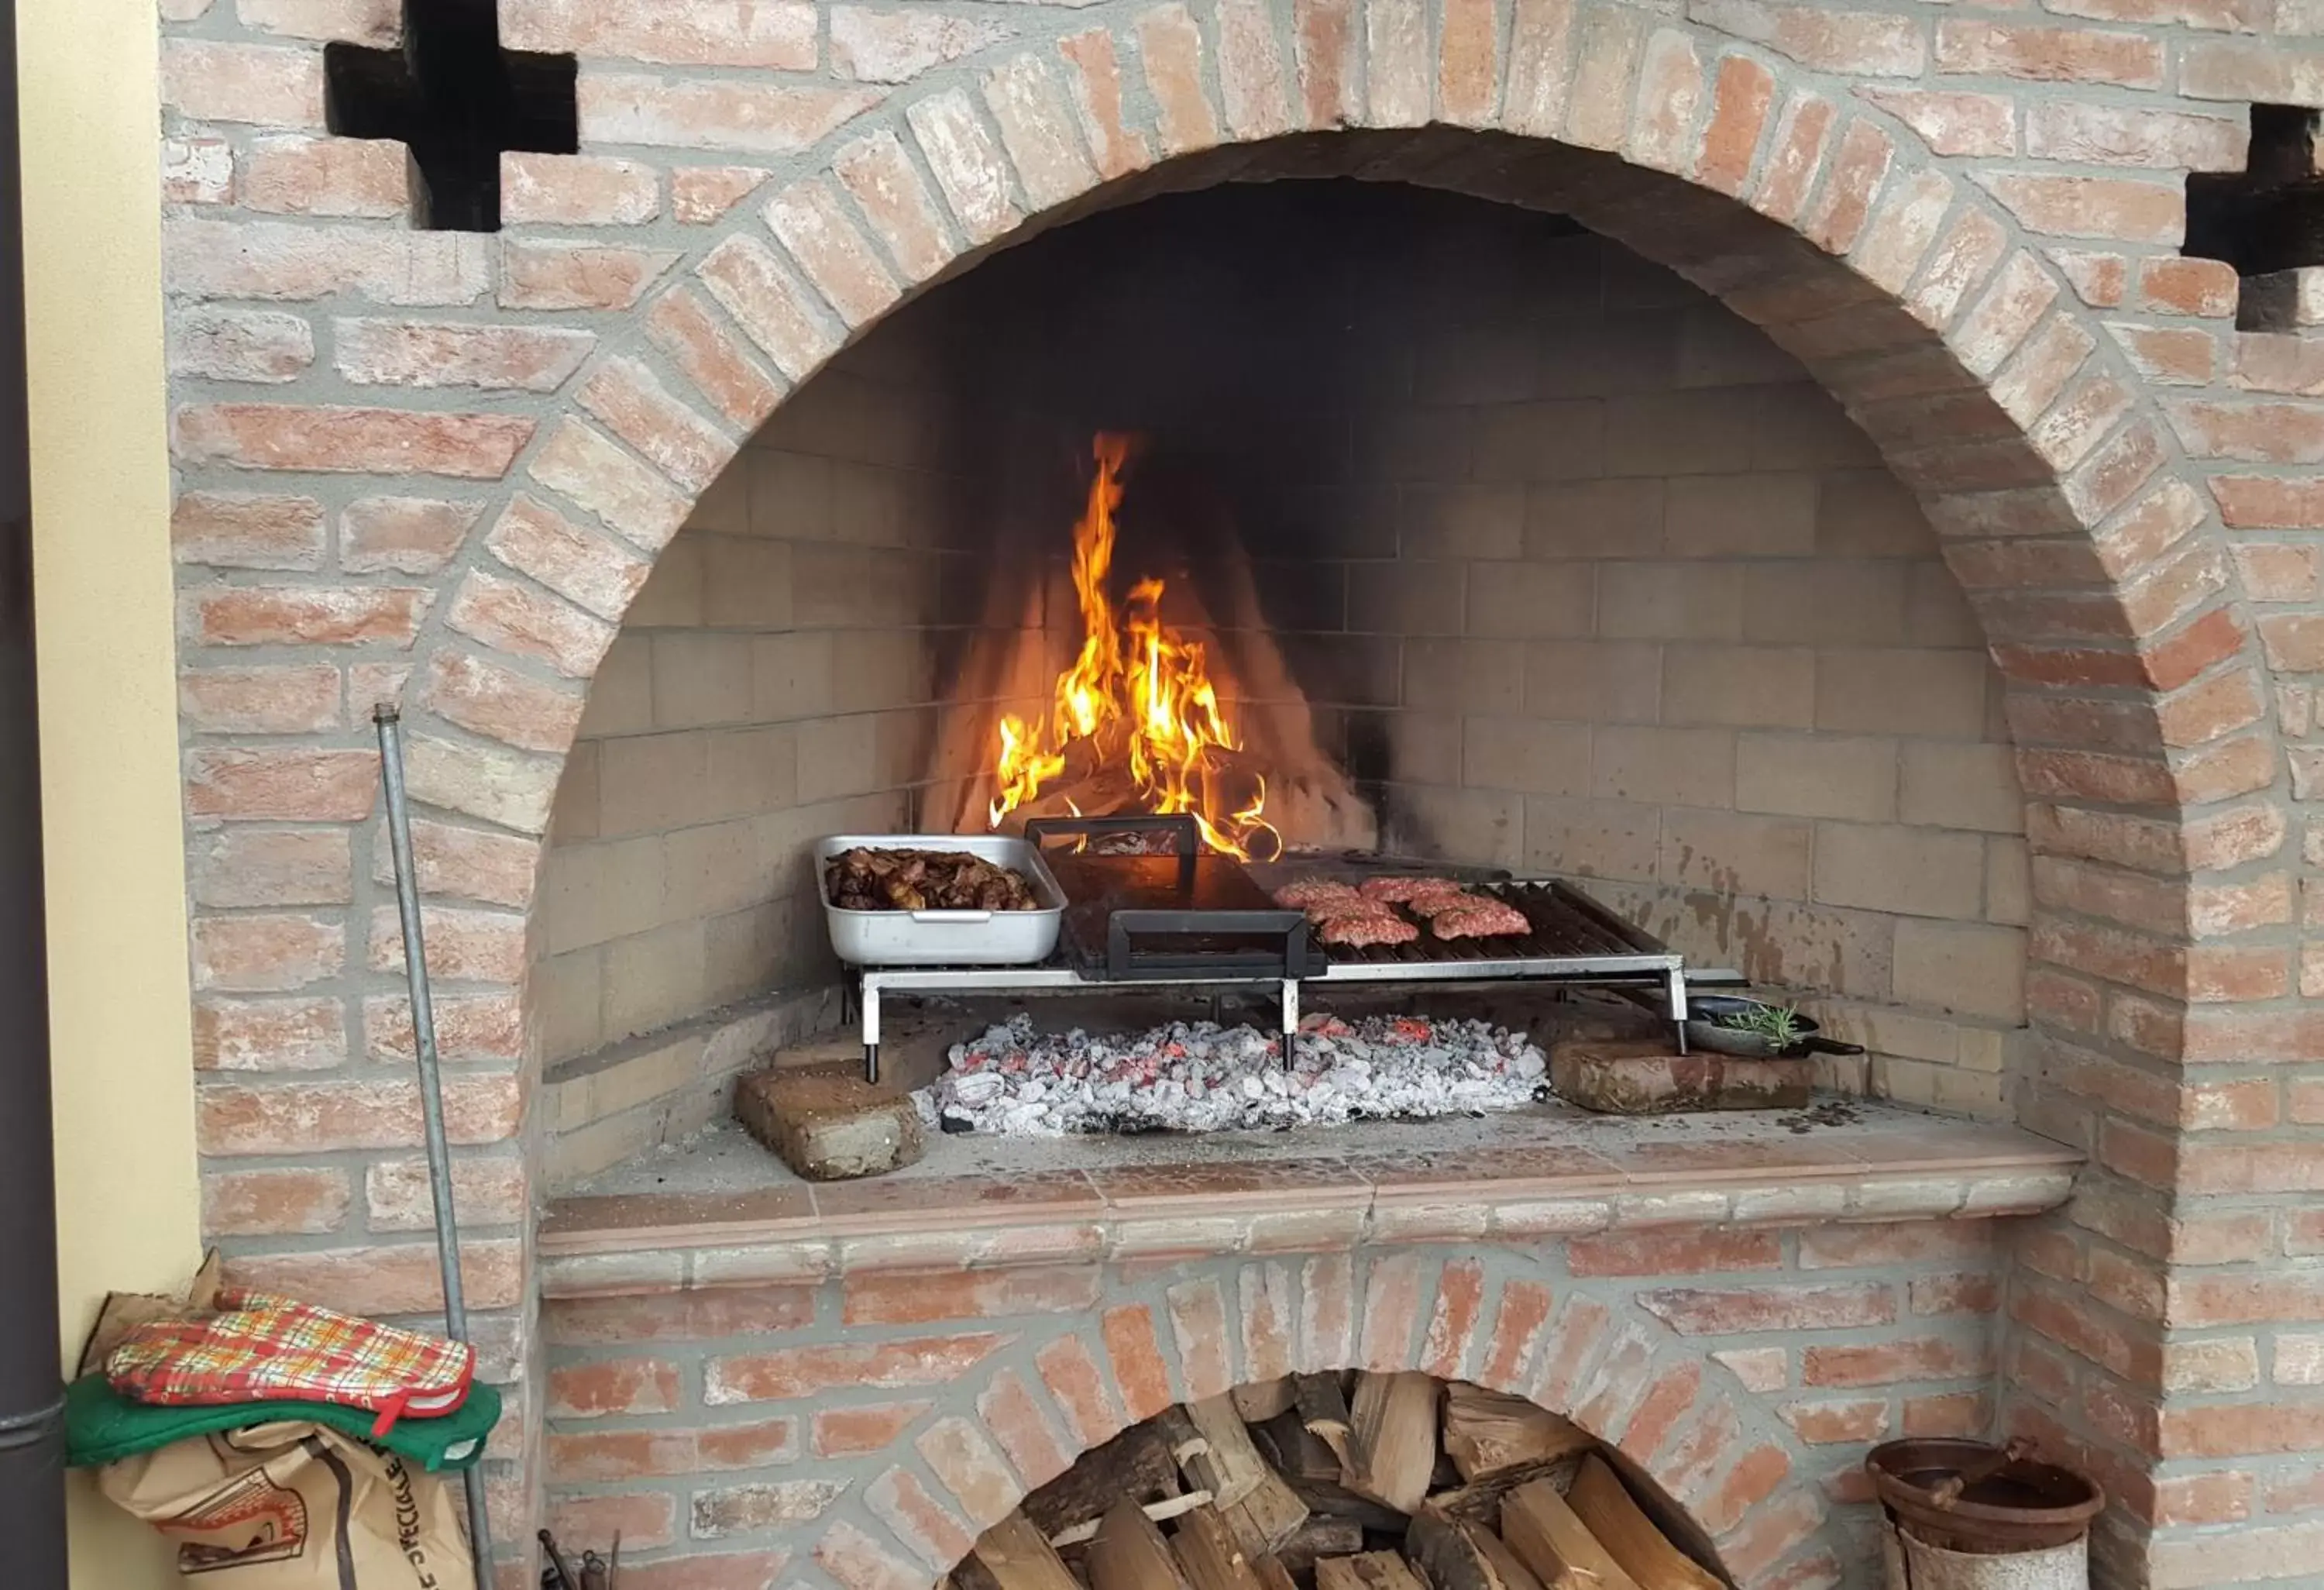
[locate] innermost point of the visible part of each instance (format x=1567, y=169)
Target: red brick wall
x=439, y=467
x=876, y=1424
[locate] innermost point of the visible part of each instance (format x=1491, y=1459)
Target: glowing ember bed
x=1196, y=918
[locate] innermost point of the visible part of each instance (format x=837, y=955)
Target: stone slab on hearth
x=723, y=1211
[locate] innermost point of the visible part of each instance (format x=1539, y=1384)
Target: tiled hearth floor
x=723, y=1211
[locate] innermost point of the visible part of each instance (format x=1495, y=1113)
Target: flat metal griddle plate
x=1566, y=923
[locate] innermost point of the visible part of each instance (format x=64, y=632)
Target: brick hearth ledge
x=738, y=1217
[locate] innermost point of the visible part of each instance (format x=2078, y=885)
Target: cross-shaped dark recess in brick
x=457, y=99
x=2268, y=217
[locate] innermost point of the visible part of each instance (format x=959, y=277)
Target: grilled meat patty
x=1302, y=893
x=1435, y=905
x=1398, y=888
x=1487, y=918
x=1358, y=929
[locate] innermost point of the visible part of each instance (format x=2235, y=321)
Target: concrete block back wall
x=439, y=468
x=773, y=682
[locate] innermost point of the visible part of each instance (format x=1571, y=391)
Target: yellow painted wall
x=128, y=1194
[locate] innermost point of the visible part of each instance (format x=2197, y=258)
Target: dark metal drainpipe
x=31, y=1410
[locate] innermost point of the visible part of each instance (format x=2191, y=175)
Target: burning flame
x=1141, y=697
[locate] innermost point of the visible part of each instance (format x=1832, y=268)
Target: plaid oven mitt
x=257, y=1348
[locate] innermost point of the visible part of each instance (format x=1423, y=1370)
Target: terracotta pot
x=2019, y=1506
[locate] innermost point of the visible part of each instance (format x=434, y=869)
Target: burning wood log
x=1602, y=1502
x=1556, y=1545
x=1392, y=1438
x=1128, y=1553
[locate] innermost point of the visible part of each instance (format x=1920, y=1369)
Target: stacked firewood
x=1373, y=1482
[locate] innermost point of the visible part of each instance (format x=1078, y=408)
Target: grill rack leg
x=1678, y=1006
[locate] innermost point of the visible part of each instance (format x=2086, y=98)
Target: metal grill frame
x=1638, y=959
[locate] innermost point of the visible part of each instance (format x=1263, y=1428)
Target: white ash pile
x=1200, y=1077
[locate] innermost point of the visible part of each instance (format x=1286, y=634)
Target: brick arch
x=2088, y=547
x=1600, y=1356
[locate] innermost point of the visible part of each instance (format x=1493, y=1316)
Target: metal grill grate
x=1566, y=924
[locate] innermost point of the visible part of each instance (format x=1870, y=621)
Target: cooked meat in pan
x=864, y=879
x=1364, y=928
x=1486, y=919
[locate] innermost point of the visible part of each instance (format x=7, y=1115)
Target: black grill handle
x=1124, y=926
x=1185, y=833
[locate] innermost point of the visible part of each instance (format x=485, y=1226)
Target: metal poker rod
x=431, y=1092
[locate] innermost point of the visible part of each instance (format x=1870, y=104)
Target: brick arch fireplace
x=461, y=506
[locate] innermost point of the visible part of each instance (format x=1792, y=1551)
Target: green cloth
x=102, y=1426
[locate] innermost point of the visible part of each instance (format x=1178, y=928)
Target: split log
x=1130, y=1553
x=1179, y=1432
x=1454, y=1554
x=1161, y=1512
x=1323, y=1409
x=1263, y=1400
x=1486, y=1432
x=1268, y=1517
x=1136, y=1466
x=1298, y=1452
x=1556, y=1545
x=1392, y=1438
x=1319, y=1539
x=1273, y=1575
x=1334, y=1500
x=1480, y=1500
x=1015, y=1555
x=1230, y=1467
x=1373, y=1570
x=1208, y=1553
x=1602, y=1502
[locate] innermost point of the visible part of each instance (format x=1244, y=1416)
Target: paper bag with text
x=293, y=1506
